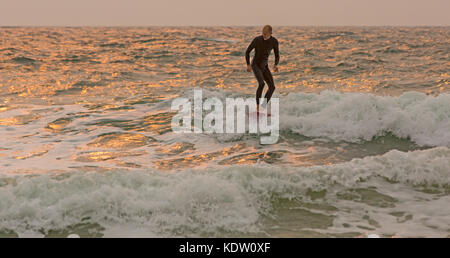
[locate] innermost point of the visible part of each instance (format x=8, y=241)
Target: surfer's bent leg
x=269, y=79
x=260, y=77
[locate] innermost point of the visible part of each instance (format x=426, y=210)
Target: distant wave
x=216, y=39
x=23, y=60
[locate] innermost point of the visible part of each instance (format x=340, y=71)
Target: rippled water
x=87, y=145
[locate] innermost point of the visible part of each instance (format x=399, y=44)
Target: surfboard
x=256, y=114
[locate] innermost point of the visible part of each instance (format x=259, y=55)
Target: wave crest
x=197, y=202
x=424, y=119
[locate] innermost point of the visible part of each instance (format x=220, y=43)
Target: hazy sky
x=224, y=12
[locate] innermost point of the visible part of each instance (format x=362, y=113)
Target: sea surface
x=87, y=146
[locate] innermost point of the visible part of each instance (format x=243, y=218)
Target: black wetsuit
x=260, y=64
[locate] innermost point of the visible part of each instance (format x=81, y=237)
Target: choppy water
x=87, y=146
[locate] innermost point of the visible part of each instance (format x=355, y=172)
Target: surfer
x=263, y=45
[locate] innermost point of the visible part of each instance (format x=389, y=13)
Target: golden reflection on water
x=113, y=73
x=58, y=124
x=40, y=151
x=197, y=160
x=19, y=120
x=121, y=141
x=176, y=148
x=97, y=156
x=124, y=62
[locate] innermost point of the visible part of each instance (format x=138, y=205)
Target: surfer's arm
x=249, y=49
x=276, y=52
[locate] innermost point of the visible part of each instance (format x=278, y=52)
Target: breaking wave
x=425, y=119
x=196, y=202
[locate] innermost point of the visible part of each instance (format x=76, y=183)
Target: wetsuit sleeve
x=276, y=51
x=249, y=49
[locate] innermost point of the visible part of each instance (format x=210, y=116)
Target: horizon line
x=275, y=25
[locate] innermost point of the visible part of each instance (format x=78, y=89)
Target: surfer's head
x=267, y=31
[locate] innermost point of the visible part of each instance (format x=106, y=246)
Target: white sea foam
x=195, y=202
x=425, y=119
x=354, y=116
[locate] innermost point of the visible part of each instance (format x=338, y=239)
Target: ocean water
x=87, y=147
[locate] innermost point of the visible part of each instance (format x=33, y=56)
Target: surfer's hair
x=269, y=27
